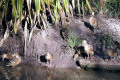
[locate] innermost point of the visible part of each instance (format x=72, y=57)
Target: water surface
x=37, y=72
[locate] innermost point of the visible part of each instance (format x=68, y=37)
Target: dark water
x=35, y=72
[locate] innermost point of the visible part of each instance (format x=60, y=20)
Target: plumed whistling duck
x=15, y=60
x=93, y=21
x=48, y=56
x=87, y=48
x=7, y=56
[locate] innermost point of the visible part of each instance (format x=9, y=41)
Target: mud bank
x=50, y=40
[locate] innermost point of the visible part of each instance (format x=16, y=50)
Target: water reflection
x=32, y=72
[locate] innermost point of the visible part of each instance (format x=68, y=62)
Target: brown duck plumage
x=93, y=21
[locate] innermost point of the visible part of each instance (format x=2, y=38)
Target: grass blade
x=25, y=37
x=56, y=15
x=66, y=5
x=1, y=3
x=14, y=15
x=73, y=4
x=89, y=6
x=43, y=5
x=1, y=42
x=31, y=33
x=6, y=35
x=15, y=27
x=19, y=7
x=37, y=6
x=29, y=5
x=6, y=7
x=83, y=9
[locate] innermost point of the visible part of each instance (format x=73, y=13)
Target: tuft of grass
x=112, y=8
x=81, y=5
x=106, y=40
x=97, y=4
x=73, y=41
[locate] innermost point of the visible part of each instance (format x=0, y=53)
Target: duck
x=93, y=21
x=15, y=60
x=64, y=32
x=48, y=56
x=76, y=54
x=7, y=56
x=111, y=53
x=87, y=48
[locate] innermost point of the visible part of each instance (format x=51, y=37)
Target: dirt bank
x=50, y=40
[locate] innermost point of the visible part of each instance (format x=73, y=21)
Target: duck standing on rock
x=93, y=21
x=15, y=60
x=87, y=48
x=48, y=56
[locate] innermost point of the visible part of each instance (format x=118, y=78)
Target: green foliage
x=58, y=5
x=19, y=7
x=112, y=8
x=73, y=41
x=97, y=4
x=83, y=5
x=1, y=3
x=105, y=40
x=56, y=14
x=6, y=7
x=66, y=4
x=83, y=9
x=89, y=6
x=38, y=6
x=41, y=6
x=14, y=14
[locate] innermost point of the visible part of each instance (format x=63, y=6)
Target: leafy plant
x=105, y=40
x=38, y=6
x=97, y=4
x=82, y=4
x=1, y=3
x=66, y=4
x=41, y=6
x=14, y=15
x=73, y=41
x=112, y=8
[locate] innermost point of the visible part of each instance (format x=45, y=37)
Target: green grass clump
x=106, y=40
x=73, y=41
x=112, y=8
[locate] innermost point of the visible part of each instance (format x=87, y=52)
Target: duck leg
x=112, y=60
x=88, y=57
x=48, y=63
